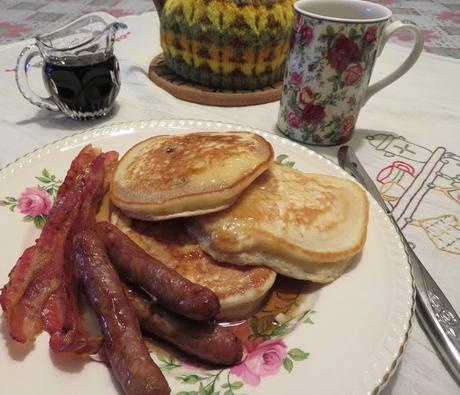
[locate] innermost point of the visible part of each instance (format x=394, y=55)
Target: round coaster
x=183, y=89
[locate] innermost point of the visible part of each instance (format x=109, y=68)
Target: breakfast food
x=226, y=44
x=124, y=346
x=206, y=340
x=305, y=226
x=166, y=285
x=245, y=218
x=240, y=289
x=182, y=175
x=42, y=292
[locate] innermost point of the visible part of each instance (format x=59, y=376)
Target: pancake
x=240, y=289
x=182, y=175
x=305, y=226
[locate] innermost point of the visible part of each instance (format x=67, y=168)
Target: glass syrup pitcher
x=79, y=69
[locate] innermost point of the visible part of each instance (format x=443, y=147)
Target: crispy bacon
x=73, y=336
x=19, y=276
x=42, y=291
x=45, y=275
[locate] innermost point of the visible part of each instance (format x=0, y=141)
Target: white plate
x=361, y=320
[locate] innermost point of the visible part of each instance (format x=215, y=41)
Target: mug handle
x=406, y=65
x=22, y=78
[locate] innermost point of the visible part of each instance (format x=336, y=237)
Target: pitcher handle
x=406, y=65
x=22, y=78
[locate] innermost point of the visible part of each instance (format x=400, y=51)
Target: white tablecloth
x=423, y=107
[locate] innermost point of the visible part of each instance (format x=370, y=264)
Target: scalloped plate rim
x=111, y=130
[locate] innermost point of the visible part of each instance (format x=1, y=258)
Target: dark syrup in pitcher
x=87, y=90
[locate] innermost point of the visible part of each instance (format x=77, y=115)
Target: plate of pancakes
x=308, y=270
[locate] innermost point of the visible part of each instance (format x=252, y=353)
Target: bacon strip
x=73, y=336
x=42, y=291
x=45, y=275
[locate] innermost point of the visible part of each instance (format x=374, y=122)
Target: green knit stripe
x=236, y=81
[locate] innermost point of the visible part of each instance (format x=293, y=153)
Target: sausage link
x=124, y=345
x=205, y=340
x=169, y=288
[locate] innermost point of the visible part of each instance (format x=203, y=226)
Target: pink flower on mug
x=261, y=360
x=298, y=22
x=346, y=127
x=293, y=119
x=35, y=201
x=296, y=79
x=342, y=52
x=353, y=73
x=305, y=96
x=306, y=35
x=312, y=67
x=351, y=100
x=371, y=34
x=313, y=113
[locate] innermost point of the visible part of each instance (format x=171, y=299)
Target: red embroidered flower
x=343, y=52
x=313, y=113
x=346, y=127
x=353, y=73
x=306, y=35
x=305, y=96
x=371, y=34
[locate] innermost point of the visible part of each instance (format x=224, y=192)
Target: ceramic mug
x=333, y=48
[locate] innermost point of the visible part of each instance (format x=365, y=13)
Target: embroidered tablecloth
x=408, y=138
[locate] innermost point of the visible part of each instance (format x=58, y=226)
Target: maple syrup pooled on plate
x=287, y=301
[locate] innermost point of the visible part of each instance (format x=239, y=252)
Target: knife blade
x=435, y=313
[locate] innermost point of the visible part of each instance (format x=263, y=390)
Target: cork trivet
x=183, y=89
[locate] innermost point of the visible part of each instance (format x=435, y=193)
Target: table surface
x=439, y=19
x=407, y=136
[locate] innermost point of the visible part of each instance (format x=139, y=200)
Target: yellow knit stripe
x=254, y=61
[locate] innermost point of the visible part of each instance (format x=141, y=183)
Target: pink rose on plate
x=346, y=127
x=353, y=73
x=35, y=201
x=261, y=360
x=305, y=96
x=293, y=119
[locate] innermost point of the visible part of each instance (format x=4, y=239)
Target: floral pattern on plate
x=35, y=202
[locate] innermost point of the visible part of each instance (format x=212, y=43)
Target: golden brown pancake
x=182, y=175
x=305, y=226
x=240, y=289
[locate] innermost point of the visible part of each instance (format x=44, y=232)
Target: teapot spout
x=159, y=4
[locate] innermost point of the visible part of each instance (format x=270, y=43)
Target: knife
x=435, y=313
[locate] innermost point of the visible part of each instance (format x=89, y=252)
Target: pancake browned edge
x=240, y=290
x=305, y=226
x=183, y=175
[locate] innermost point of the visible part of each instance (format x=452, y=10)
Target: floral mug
x=333, y=48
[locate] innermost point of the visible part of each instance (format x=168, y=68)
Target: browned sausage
x=169, y=288
x=205, y=340
x=124, y=345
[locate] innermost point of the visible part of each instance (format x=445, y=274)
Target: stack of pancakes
x=218, y=209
